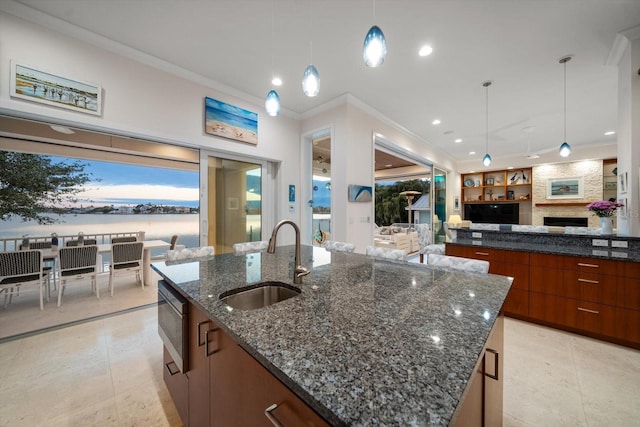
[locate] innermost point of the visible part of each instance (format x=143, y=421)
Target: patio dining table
x=104, y=248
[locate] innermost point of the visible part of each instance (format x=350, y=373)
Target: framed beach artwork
x=229, y=121
x=359, y=193
x=565, y=188
x=36, y=85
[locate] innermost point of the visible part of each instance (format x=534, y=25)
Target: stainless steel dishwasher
x=173, y=324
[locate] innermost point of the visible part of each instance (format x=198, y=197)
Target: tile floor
x=108, y=372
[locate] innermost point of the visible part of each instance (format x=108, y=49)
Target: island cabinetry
x=481, y=405
x=177, y=384
x=228, y=387
x=505, y=263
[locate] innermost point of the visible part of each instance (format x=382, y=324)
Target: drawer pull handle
x=168, y=365
x=495, y=366
x=271, y=417
x=482, y=253
x=200, y=344
x=582, y=264
x=588, y=311
x=206, y=342
x=588, y=281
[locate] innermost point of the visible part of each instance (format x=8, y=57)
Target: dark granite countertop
x=367, y=342
x=605, y=247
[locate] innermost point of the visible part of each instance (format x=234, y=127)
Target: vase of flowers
x=605, y=209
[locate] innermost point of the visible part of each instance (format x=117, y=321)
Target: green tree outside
x=390, y=205
x=32, y=187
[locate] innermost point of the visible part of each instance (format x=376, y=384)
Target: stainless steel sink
x=260, y=295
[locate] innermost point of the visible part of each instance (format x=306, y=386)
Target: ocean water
x=186, y=226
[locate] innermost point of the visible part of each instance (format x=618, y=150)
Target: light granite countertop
x=367, y=342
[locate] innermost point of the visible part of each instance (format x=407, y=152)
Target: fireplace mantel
x=546, y=205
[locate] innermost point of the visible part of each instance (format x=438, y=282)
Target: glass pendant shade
x=565, y=149
x=375, y=47
x=272, y=103
x=311, y=81
x=486, y=160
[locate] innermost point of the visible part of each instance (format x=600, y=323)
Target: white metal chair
x=126, y=258
x=21, y=269
x=458, y=263
x=49, y=262
x=75, y=263
x=250, y=247
x=386, y=253
x=335, y=246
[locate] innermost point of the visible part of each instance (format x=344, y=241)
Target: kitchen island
x=366, y=342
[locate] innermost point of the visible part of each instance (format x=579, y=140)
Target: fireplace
x=566, y=221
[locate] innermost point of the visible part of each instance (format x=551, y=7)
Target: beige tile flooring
x=108, y=372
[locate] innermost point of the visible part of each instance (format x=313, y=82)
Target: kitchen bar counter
x=606, y=247
x=367, y=342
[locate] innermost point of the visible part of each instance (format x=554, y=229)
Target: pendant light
x=565, y=148
x=311, y=77
x=272, y=102
x=375, y=45
x=486, y=160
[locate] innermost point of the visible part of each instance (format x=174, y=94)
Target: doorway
x=233, y=202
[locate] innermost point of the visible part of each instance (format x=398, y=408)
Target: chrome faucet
x=299, y=270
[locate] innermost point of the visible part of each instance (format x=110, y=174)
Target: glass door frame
x=269, y=196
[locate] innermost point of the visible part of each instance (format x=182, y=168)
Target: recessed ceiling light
x=436, y=122
x=533, y=156
x=611, y=132
x=472, y=152
x=276, y=81
x=458, y=141
x=425, y=50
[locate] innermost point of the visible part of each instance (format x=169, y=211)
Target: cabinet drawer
x=488, y=254
x=597, y=319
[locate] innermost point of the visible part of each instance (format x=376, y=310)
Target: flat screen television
x=498, y=213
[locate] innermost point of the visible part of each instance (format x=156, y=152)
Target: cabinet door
x=198, y=373
x=242, y=389
x=494, y=375
x=177, y=384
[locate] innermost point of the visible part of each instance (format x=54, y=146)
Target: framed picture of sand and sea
x=229, y=121
x=44, y=87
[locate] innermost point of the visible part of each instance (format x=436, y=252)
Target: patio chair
x=386, y=253
x=125, y=239
x=250, y=247
x=76, y=263
x=335, y=246
x=458, y=263
x=49, y=262
x=86, y=242
x=126, y=258
x=21, y=269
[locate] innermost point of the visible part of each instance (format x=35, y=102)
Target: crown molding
x=620, y=44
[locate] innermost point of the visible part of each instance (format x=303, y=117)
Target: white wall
x=354, y=125
x=140, y=100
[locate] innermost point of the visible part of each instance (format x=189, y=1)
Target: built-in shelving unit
x=497, y=186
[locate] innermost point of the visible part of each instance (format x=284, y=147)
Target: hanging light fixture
x=375, y=45
x=272, y=102
x=486, y=160
x=565, y=148
x=311, y=77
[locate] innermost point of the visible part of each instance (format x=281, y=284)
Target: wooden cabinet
x=227, y=387
x=481, y=404
x=497, y=186
x=505, y=263
x=177, y=384
x=592, y=296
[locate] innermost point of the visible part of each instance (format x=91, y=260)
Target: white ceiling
x=514, y=43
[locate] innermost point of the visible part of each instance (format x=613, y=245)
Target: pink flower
x=603, y=208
